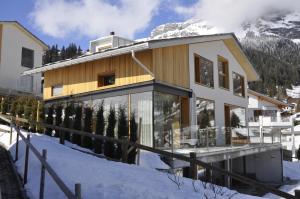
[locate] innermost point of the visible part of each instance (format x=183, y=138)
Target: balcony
x=268, y=121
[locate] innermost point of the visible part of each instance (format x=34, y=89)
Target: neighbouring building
x=190, y=92
x=20, y=50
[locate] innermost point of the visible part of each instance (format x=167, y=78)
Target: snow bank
x=101, y=178
x=291, y=170
x=151, y=160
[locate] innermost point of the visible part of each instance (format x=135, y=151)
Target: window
x=106, y=80
x=223, y=72
x=167, y=113
x=205, y=110
x=57, y=90
x=27, y=58
x=238, y=85
x=204, y=73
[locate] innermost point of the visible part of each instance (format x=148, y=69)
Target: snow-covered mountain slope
x=285, y=25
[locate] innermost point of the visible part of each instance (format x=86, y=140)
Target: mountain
x=272, y=44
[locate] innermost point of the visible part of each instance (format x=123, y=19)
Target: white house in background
x=20, y=50
x=265, y=111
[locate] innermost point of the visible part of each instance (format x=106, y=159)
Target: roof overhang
x=88, y=58
x=229, y=40
x=27, y=32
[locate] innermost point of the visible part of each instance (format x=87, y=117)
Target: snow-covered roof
x=230, y=38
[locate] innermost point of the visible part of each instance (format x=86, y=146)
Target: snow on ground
x=291, y=170
x=101, y=178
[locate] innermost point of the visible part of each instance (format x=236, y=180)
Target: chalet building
x=20, y=50
x=190, y=93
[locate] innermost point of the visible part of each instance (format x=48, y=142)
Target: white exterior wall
x=221, y=97
x=13, y=39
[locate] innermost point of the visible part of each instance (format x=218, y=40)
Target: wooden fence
x=127, y=144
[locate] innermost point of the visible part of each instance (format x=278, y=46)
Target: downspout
x=141, y=64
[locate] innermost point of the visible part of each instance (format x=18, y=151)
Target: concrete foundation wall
x=265, y=167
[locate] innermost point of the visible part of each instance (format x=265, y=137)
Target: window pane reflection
x=166, y=117
x=205, y=110
x=141, y=107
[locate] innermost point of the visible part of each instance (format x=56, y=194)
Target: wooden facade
x=168, y=64
x=1, y=35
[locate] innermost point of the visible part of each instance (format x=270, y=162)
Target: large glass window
x=238, y=84
x=235, y=122
x=205, y=110
x=115, y=102
x=166, y=120
x=223, y=72
x=204, y=72
x=141, y=107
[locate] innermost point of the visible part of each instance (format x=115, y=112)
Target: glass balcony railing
x=194, y=137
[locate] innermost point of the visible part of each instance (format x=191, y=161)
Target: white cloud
x=230, y=14
x=92, y=18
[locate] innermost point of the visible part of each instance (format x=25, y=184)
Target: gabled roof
x=229, y=40
x=267, y=98
x=27, y=32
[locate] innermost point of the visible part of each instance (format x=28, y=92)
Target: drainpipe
x=141, y=64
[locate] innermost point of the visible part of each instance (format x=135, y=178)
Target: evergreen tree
x=204, y=119
x=100, y=125
x=58, y=118
x=133, y=138
x=122, y=130
x=110, y=132
x=76, y=139
x=63, y=53
x=49, y=119
x=79, y=51
x=235, y=120
x=69, y=110
x=87, y=142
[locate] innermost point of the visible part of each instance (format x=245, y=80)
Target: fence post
x=61, y=137
x=297, y=193
x=42, y=181
x=124, y=149
x=139, y=140
x=17, y=147
x=78, y=191
x=193, y=166
x=11, y=131
x=26, y=161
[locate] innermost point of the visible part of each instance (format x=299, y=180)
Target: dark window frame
x=103, y=79
x=242, y=84
x=27, y=57
x=197, y=66
x=224, y=73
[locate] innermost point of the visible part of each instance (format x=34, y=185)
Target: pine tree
x=63, y=53
x=235, y=120
x=122, y=130
x=100, y=125
x=67, y=120
x=76, y=139
x=49, y=119
x=79, y=51
x=133, y=138
x=87, y=142
x=58, y=118
x=110, y=132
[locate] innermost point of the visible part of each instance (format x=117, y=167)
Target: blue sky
x=21, y=10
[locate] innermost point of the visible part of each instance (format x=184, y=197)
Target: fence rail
x=191, y=159
x=45, y=165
